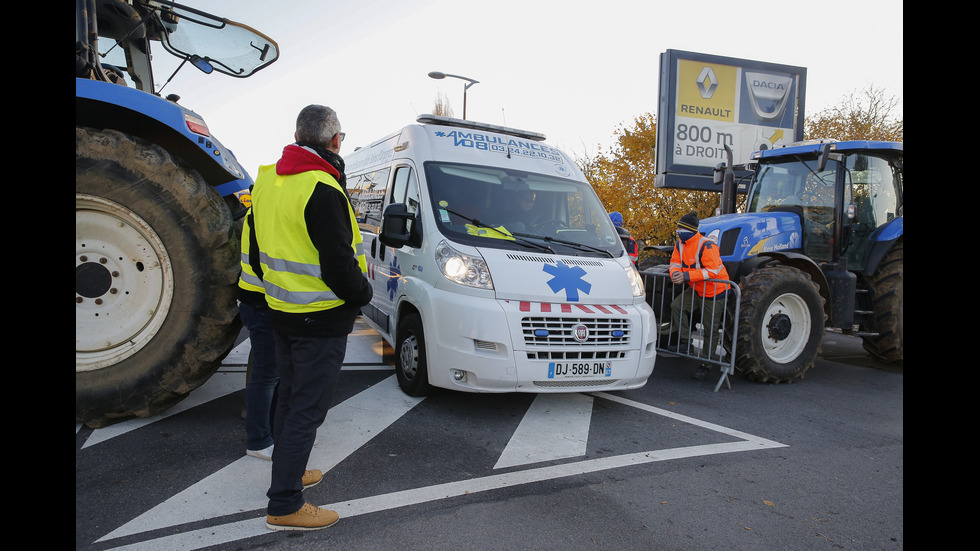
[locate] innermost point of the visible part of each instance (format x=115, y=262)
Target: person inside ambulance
x=525, y=214
x=516, y=211
x=525, y=199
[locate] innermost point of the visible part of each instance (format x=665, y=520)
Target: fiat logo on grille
x=580, y=333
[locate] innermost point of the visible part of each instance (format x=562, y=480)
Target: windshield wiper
x=524, y=241
x=803, y=162
x=579, y=246
x=479, y=224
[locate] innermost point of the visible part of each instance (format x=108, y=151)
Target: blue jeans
x=261, y=387
x=308, y=371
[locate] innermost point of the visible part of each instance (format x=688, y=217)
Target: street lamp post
x=469, y=82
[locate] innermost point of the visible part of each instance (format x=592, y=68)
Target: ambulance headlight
x=636, y=282
x=462, y=268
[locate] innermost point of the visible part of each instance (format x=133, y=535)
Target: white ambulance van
x=495, y=266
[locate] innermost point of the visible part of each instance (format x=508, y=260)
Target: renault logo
x=707, y=82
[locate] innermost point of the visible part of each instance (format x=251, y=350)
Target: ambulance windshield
x=495, y=207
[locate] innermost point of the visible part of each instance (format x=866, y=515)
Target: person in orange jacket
x=696, y=260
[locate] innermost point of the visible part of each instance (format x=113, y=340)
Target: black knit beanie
x=689, y=221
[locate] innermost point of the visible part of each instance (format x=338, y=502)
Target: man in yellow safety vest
x=306, y=249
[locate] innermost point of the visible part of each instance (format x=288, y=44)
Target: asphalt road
x=814, y=465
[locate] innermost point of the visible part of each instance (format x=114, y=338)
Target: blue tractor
x=157, y=206
x=819, y=246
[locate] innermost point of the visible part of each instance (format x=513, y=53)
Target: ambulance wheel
x=410, y=364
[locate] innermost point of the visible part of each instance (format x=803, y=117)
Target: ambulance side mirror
x=395, y=230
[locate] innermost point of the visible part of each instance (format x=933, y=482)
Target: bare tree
x=864, y=115
x=442, y=107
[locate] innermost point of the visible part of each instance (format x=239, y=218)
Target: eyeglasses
x=341, y=134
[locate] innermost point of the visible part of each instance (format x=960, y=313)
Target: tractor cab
x=843, y=194
x=819, y=245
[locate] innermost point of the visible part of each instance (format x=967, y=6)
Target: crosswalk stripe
x=241, y=486
x=556, y=426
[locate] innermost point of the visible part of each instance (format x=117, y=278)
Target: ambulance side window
x=367, y=191
x=405, y=189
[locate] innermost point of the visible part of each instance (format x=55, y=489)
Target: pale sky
x=575, y=71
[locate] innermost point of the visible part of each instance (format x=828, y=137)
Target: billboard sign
x=708, y=101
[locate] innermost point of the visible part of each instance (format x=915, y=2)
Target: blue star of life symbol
x=394, y=273
x=568, y=278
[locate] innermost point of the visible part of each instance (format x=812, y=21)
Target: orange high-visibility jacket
x=699, y=259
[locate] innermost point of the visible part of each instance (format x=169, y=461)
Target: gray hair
x=317, y=125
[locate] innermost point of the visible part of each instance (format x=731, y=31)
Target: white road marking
x=241, y=486
x=556, y=426
x=234, y=531
x=365, y=351
x=220, y=384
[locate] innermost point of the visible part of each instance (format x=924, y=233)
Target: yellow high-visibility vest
x=291, y=276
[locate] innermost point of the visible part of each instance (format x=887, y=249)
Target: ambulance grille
x=552, y=338
x=546, y=260
x=572, y=384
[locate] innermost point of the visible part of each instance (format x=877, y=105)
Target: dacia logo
x=774, y=86
x=769, y=94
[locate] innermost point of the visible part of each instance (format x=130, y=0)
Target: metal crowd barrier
x=661, y=294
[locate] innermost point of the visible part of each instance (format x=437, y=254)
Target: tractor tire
x=156, y=270
x=887, y=289
x=781, y=324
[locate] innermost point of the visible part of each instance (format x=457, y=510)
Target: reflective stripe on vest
x=703, y=288
x=291, y=264
x=248, y=280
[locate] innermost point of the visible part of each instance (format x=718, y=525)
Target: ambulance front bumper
x=477, y=344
